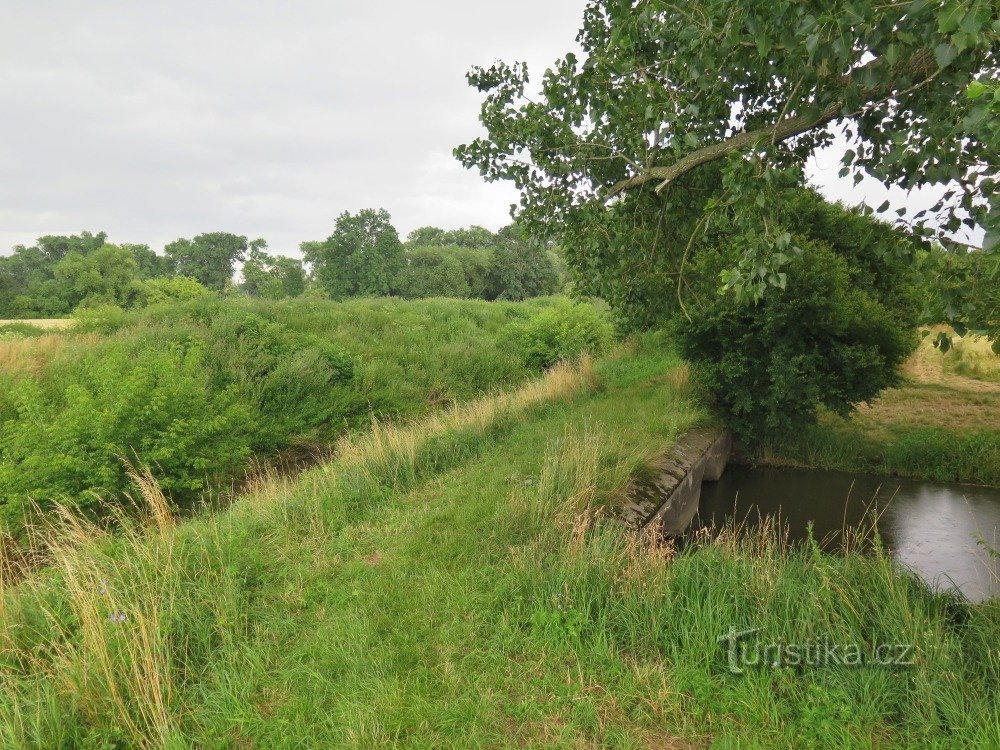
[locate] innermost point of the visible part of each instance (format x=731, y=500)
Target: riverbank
x=457, y=583
x=943, y=424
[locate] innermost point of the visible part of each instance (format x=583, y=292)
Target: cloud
x=153, y=121
x=158, y=120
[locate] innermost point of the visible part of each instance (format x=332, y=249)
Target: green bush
x=825, y=340
x=73, y=432
x=21, y=331
x=290, y=379
x=562, y=331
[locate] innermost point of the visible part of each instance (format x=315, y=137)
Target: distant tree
x=107, y=275
x=474, y=236
x=432, y=272
x=362, y=258
x=258, y=277
x=521, y=267
x=426, y=237
x=151, y=265
x=476, y=263
x=209, y=258
x=292, y=274
x=55, y=247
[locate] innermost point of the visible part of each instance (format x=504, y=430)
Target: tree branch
x=921, y=63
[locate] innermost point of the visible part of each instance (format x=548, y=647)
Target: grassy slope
x=942, y=424
x=449, y=586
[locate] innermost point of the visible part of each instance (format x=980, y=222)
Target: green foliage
x=273, y=277
x=521, y=267
x=829, y=337
x=432, y=272
x=472, y=237
x=224, y=379
x=72, y=432
x=21, y=330
x=159, y=291
x=292, y=381
x=209, y=258
x=563, y=331
x=631, y=150
x=362, y=257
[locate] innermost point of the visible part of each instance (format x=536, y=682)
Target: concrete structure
x=668, y=496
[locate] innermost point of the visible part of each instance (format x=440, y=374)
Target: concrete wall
x=669, y=496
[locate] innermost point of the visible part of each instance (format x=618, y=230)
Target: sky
x=156, y=120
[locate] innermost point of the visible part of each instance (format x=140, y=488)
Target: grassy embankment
x=451, y=583
x=202, y=391
x=942, y=424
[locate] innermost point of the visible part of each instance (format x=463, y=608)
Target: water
x=933, y=529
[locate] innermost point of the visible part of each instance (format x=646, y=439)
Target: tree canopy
x=360, y=259
x=209, y=258
x=677, y=114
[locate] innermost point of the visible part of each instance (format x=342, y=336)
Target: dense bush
x=72, y=432
x=828, y=338
x=432, y=272
x=562, y=332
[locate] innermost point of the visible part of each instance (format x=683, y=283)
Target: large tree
x=209, y=258
x=667, y=159
x=362, y=258
x=680, y=114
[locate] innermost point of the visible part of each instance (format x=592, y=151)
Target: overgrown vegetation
x=364, y=257
x=379, y=599
x=195, y=390
x=939, y=424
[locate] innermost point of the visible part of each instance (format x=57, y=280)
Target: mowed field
x=941, y=423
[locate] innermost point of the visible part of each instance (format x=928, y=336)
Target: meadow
x=460, y=581
x=942, y=424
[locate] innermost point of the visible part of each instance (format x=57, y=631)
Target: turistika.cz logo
x=744, y=649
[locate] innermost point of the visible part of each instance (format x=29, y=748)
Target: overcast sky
x=157, y=120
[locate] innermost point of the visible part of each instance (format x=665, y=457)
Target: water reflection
x=934, y=529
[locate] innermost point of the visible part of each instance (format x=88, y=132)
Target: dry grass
x=936, y=395
x=969, y=366
x=53, y=323
x=30, y=356
x=385, y=441
x=118, y=663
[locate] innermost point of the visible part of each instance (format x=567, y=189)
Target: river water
x=937, y=530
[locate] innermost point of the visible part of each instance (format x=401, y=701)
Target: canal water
x=939, y=531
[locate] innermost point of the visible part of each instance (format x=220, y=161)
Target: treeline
x=363, y=257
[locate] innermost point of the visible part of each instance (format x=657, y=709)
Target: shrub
x=165, y=290
x=825, y=339
x=71, y=434
x=288, y=378
x=100, y=319
x=563, y=331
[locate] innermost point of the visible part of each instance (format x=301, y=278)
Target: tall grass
x=205, y=390
x=461, y=581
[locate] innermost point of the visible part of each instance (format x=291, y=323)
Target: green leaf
x=976, y=89
x=944, y=54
